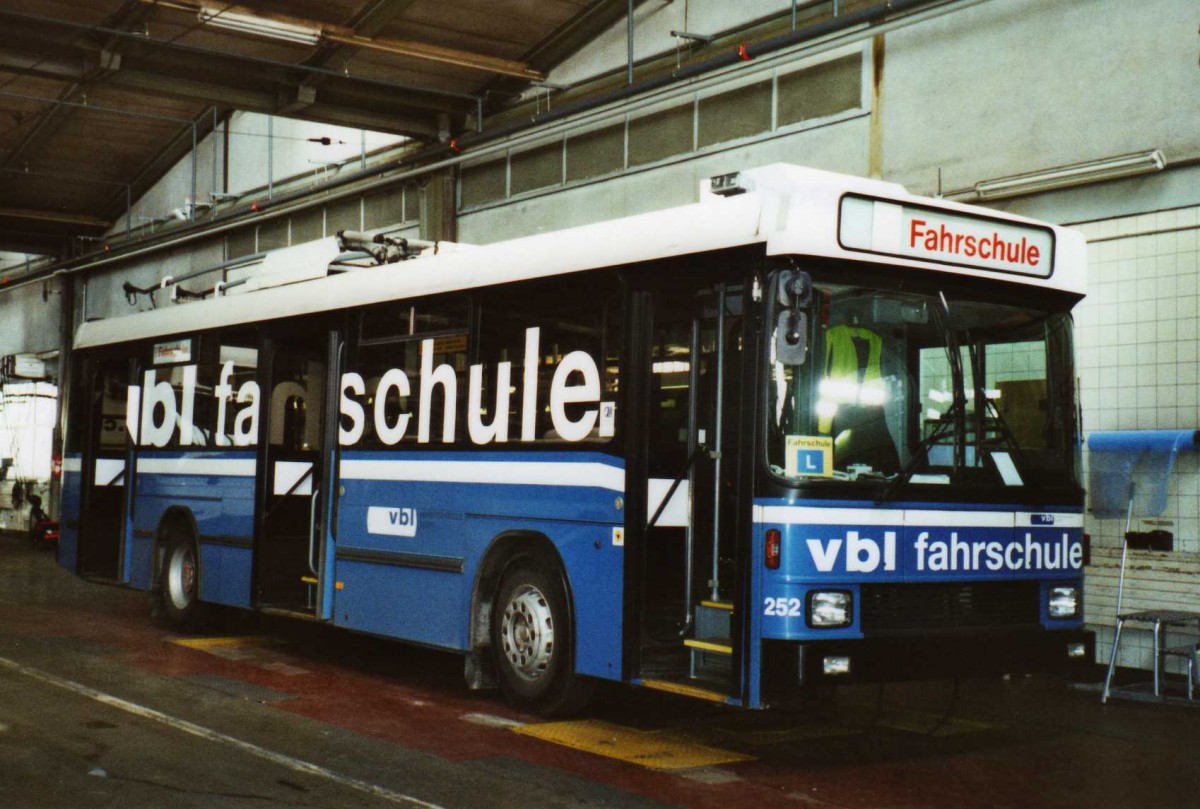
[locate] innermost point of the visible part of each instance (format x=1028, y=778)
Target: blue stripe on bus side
x=68, y=512
x=570, y=498
x=220, y=497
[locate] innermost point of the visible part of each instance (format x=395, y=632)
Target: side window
x=203, y=396
x=231, y=378
x=110, y=383
x=409, y=376
x=547, y=364
x=167, y=391
x=527, y=362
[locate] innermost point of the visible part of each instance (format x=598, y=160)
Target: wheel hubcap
x=181, y=578
x=527, y=632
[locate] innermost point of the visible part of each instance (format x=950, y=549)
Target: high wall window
x=777, y=101
x=391, y=207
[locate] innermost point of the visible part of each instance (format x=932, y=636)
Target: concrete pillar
x=438, y=206
x=66, y=341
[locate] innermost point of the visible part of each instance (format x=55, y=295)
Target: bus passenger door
x=105, y=478
x=289, y=542
x=691, y=421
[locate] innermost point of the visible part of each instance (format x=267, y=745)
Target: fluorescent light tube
x=260, y=26
x=1092, y=171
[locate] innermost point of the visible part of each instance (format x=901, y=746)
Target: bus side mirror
x=793, y=297
x=795, y=289
x=791, y=337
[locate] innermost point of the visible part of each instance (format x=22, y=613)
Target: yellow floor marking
x=205, y=644
x=656, y=750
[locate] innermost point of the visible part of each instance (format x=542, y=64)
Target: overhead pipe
x=629, y=44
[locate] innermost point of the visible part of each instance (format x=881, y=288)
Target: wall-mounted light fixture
x=260, y=26
x=703, y=39
x=1091, y=171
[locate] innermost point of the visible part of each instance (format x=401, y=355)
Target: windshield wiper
x=953, y=419
x=905, y=475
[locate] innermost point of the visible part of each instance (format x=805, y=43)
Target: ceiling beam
x=579, y=30
x=397, y=117
x=382, y=121
x=293, y=101
x=28, y=27
x=43, y=67
x=374, y=16
x=57, y=217
x=54, y=116
x=184, y=89
x=22, y=240
x=346, y=35
x=368, y=21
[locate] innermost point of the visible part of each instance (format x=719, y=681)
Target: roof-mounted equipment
x=383, y=249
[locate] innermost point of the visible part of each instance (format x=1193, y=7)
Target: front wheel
x=179, y=582
x=532, y=640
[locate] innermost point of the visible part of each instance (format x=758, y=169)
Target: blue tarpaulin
x=1141, y=458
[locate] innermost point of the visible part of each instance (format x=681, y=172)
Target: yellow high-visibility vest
x=845, y=377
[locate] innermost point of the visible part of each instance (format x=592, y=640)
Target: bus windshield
x=926, y=389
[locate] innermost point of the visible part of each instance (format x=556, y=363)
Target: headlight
x=830, y=608
x=835, y=665
x=1063, y=602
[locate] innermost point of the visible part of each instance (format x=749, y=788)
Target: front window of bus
x=901, y=390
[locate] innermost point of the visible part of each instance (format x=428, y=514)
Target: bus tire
x=532, y=641
x=179, y=583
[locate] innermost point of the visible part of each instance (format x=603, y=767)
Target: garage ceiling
x=99, y=99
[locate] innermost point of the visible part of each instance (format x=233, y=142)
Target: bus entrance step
x=283, y=612
x=696, y=692
x=709, y=657
x=713, y=618
x=715, y=645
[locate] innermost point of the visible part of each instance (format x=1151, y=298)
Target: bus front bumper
x=790, y=667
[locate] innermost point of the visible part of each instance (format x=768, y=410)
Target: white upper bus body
x=789, y=209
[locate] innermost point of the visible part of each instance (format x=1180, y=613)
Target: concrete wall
x=263, y=151
x=29, y=318
x=1008, y=87
x=991, y=90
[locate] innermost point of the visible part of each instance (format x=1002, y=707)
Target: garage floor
x=100, y=707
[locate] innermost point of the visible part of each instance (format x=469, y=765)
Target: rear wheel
x=179, y=582
x=532, y=640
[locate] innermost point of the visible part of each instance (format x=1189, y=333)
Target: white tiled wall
x=1138, y=348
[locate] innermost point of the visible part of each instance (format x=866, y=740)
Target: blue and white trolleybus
x=811, y=429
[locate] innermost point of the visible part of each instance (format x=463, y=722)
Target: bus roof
x=788, y=209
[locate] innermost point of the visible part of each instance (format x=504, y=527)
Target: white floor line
x=491, y=721
x=215, y=736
